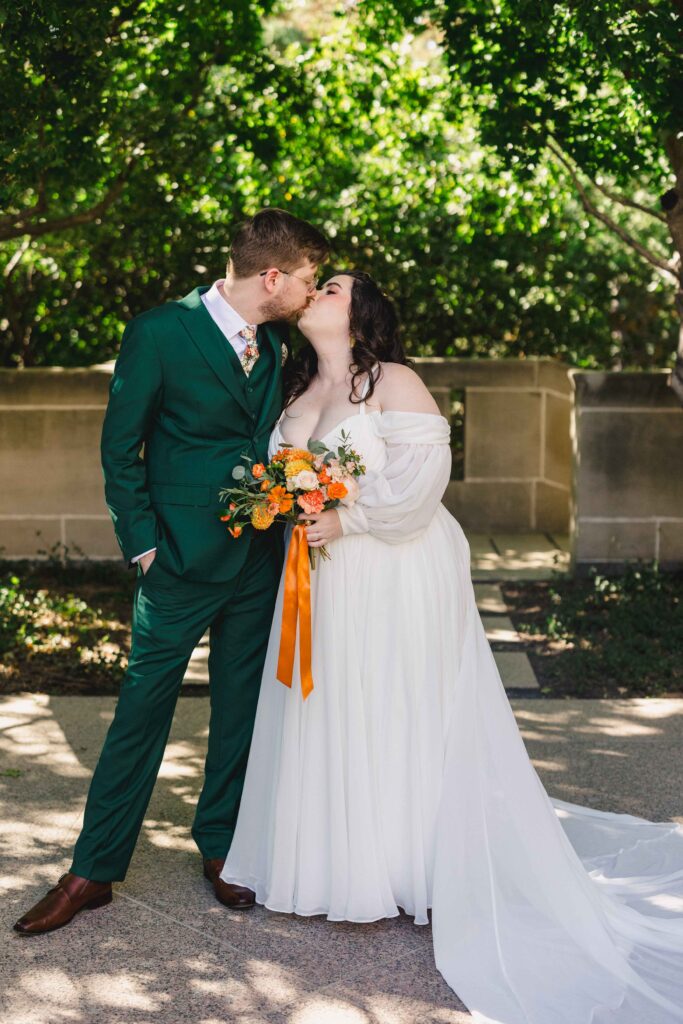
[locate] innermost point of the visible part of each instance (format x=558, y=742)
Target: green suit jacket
x=176, y=390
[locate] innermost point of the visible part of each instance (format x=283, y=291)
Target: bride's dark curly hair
x=376, y=338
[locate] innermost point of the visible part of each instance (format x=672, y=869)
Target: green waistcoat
x=179, y=389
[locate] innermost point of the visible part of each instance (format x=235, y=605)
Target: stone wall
x=627, y=494
x=51, y=490
x=541, y=444
x=517, y=466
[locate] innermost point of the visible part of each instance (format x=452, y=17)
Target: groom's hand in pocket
x=324, y=527
x=147, y=560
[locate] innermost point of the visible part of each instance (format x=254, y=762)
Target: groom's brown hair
x=275, y=238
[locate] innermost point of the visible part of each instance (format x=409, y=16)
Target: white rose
x=352, y=491
x=306, y=480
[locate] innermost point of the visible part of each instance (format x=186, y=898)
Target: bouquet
x=295, y=481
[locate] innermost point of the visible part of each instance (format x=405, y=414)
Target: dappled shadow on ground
x=614, y=755
x=165, y=950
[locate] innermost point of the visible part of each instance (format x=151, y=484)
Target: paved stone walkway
x=518, y=556
x=166, y=952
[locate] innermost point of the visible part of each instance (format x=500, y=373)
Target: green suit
x=179, y=390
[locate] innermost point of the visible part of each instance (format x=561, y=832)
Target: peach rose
x=352, y=491
x=306, y=480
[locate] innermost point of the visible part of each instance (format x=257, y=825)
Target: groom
x=199, y=383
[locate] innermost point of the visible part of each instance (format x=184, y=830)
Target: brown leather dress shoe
x=62, y=903
x=237, y=897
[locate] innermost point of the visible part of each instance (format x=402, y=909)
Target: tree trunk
x=672, y=205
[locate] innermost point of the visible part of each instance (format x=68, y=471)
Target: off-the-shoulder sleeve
x=397, y=503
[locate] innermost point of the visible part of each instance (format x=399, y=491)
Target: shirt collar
x=227, y=318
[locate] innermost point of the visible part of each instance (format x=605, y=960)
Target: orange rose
x=258, y=469
x=337, y=490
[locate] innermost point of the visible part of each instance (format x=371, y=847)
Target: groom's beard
x=280, y=309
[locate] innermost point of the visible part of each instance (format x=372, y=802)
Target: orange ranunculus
x=258, y=469
x=235, y=530
x=290, y=454
x=336, y=490
x=265, y=484
x=312, y=503
x=300, y=453
x=323, y=476
x=296, y=466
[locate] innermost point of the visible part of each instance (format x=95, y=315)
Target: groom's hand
x=147, y=560
x=323, y=528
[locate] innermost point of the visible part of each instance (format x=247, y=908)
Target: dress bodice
x=361, y=427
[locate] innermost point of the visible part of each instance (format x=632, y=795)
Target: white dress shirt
x=230, y=323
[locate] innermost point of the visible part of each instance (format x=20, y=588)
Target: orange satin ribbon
x=297, y=604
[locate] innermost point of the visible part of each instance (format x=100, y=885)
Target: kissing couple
x=401, y=782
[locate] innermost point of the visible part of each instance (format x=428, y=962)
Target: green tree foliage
x=598, y=87
x=161, y=125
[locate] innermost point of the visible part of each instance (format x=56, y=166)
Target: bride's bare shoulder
x=400, y=389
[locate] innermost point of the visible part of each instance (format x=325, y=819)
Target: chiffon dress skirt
x=402, y=781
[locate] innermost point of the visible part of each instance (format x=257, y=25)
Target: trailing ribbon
x=297, y=605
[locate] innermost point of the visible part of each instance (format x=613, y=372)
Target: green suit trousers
x=170, y=615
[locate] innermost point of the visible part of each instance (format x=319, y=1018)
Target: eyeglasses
x=311, y=285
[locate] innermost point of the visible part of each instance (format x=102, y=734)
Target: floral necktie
x=251, y=352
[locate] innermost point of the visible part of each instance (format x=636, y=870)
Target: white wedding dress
x=403, y=781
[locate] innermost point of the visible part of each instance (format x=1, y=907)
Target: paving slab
x=500, y=630
x=489, y=598
x=165, y=951
x=523, y=556
x=530, y=550
x=480, y=544
x=515, y=670
x=562, y=540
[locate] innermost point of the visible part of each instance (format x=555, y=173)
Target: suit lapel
x=211, y=342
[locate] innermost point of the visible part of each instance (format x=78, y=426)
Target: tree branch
x=21, y=225
x=23, y=221
x=16, y=259
x=631, y=203
x=605, y=219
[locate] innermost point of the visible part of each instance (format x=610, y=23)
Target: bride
x=402, y=780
